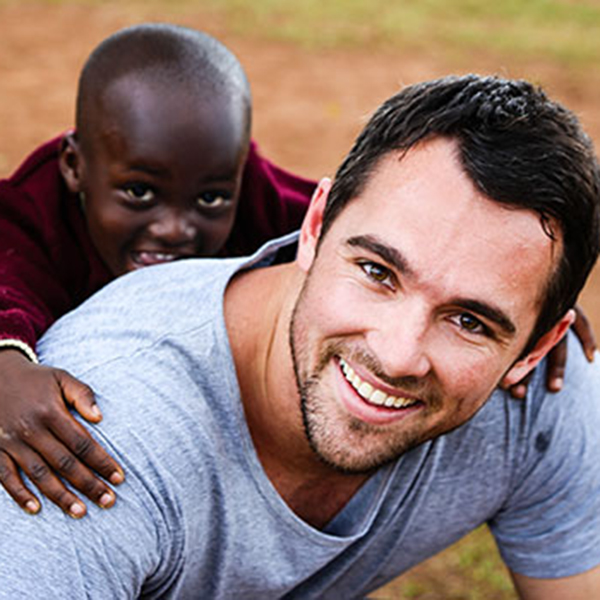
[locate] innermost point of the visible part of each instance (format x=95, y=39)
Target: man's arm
x=578, y=587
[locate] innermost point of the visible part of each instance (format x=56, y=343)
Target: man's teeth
x=369, y=393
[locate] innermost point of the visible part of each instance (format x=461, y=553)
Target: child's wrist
x=26, y=349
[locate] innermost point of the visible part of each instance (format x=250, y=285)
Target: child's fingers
x=585, y=333
x=519, y=389
x=13, y=484
x=41, y=475
x=79, y=395
x=61, y=460
x=555, y=372
x=79, y=448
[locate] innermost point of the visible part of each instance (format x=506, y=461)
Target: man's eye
x=377, y=273
x=213, y=199
x=471, y=324
x=140, y=192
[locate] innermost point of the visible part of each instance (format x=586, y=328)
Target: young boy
x=160, y=167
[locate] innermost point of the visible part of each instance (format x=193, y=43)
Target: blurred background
x=317, y=69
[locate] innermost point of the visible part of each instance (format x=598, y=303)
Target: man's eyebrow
x=390, y=255
x=489, y=312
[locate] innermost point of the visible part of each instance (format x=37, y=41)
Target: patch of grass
x=560, y=30
x=470, y=570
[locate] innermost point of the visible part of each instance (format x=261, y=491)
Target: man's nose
x=175, y=227
x=401, y=340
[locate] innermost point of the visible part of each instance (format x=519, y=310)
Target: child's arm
x=44, y=272
x=38, y=434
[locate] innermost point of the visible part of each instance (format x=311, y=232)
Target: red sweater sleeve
x=47, y=262
x=272, y=203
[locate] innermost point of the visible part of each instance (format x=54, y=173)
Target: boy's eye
x=378, y=273
x=140, y=192
x=213, y=199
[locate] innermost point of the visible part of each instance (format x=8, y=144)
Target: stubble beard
x=345, y=443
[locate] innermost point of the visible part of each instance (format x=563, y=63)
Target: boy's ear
x=71, y=162
x=523, y=366
x=311, y=225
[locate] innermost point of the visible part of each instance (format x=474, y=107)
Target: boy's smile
x=161, y=174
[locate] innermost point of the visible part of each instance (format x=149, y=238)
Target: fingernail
x=520, y=391
x=106, y=500
x=32, y=507
x=96, y=412
x=116, y=477
x=557, y=384
x=77, y=510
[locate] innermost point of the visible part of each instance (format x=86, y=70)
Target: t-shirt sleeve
x=128, y=551
x=550, y=524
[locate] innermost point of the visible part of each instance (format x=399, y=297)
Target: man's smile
x=370, y=393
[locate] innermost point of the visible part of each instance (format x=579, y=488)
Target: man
x=320, y=425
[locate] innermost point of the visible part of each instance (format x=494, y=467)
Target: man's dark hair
x=518, y=147
x=170, y=56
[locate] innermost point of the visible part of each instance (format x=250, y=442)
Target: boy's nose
x=175, y=227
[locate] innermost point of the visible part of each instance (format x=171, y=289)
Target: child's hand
x=557, y=357
x=39, y=435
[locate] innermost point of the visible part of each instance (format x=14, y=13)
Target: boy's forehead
x=137, y=89
x=140, y=107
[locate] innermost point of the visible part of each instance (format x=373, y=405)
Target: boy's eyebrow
x=146, y=168
x=160, y=171
x=394, y=257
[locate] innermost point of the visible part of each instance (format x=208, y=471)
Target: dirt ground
x=308, y=103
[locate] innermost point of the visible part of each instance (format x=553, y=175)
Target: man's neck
x=258, y=308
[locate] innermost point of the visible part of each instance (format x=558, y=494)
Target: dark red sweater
x=48, y=264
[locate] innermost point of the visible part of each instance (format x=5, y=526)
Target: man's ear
x=311, y=225
x=523, y=366
x=70, y=162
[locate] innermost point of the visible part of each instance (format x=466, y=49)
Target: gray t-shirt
x=198, y=518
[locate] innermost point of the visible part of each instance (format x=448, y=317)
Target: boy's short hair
x=170, y=57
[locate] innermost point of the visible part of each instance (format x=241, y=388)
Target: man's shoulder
x=139, y=309
x=521, y=443
x=550, y=519
x=579, y=399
